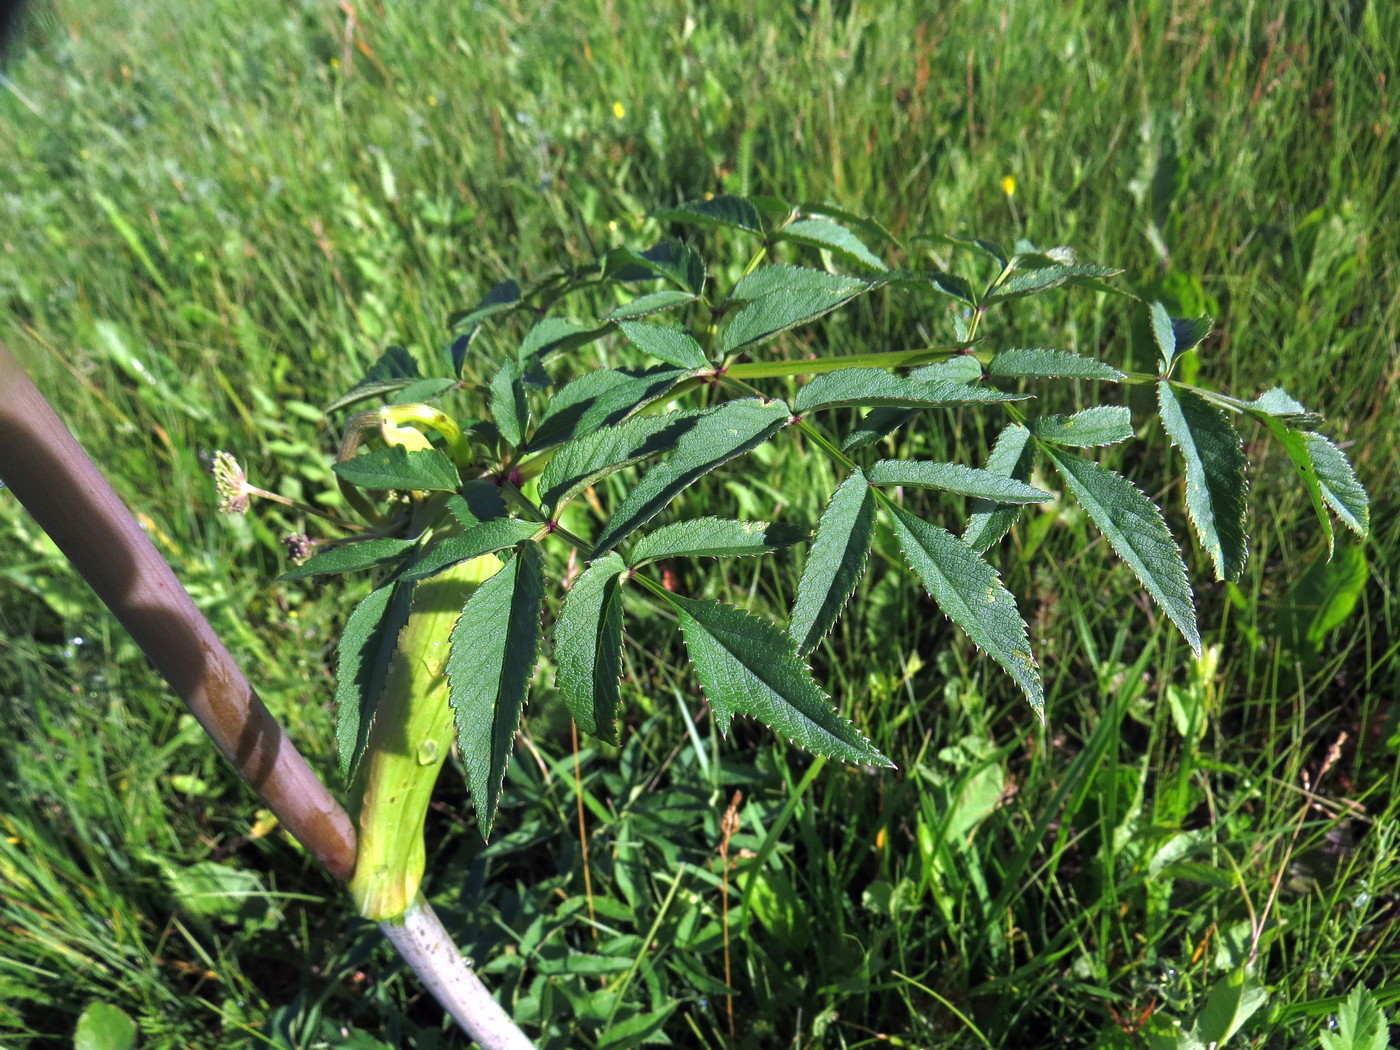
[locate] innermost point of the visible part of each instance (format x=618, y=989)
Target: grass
x=210, y=225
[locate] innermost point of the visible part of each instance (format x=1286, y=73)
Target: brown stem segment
x=62, y=489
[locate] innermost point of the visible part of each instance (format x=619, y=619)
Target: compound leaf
x=1012, y=456
x=1100, y=425
x=970, y=592
x=1134, y=527
x=749, y=666
x=835, y=561
x=712, y=440
x=956, y=477
x=363, y=655
x=588, y=647
x=488, y=670
x=1215, y=482
x=714, y=537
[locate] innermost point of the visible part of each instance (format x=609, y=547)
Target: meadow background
x=214, y=217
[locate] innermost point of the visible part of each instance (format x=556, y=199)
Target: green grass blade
x=835, y=561
x=715, y=438
x=1215, y=480
x=588, y=647
x=748, y=666
x=971, y=593
x=1135, y=528
x=492, y=659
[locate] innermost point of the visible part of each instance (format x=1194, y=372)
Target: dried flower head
x=231, y=484
x=298, y=546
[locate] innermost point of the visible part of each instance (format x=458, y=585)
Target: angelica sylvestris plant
x=471, y=522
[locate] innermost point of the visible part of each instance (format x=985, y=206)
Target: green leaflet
x=1215, y=481
x=1013, y=456
x=1340, y=489
x=398, y=468
x=551, y=334
x=955, y=477
x=963, y=368
x=1134, y=527
x=394, y=370
x=1100, y=425
x=588, y=647
x=1361, y=1024
x=652, y=303
x=599, y=399
x=875, y=386
x=588, y=460
x=489, y=668
x=1049, y=364
x=824, y=233
x=714, y=438
x=486, y=538
x=507, y=403
x=714, y=537
x=478, y=501
x=1175, y=335
x=835, y=561
x=350, y=557
x=1042, y=279
x=671, y=345
x=502, y=296
x=970, y=592
x=362, y=664
x=1276, y=402
x=1295, y=443
x=782, y=297
x=748, y=666
x=669, y=258
x=724, y=210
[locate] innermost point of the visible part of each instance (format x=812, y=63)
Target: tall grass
x=212, y=219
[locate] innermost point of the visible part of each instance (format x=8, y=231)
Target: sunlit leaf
x=714, y=537
x=723, y=210
x=1049, y=364
x=835, y=561
x=363, y=654
x=481, y=539
x=782, y=297
x=825, y=233
x=750, y=667
x=1100, y=425
x=671, y=345
x=1340, y=489
x=653, y=303
x=507, y=403
x=399, y=468
x=875, y=386
x=1136, y=530
x=971, y=593
x=351, y=557
x=588, y=647
x=588, y=460
x=598, y=399
x=955, y=477
x=1012, y=456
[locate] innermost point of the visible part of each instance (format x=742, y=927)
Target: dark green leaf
x=1340, y=489
x=649, y=304
x=671, y=345
x=835, y=561
x=363, y=655
x=991, y=248
x=502, y=296
x=1013, y=456
x=1215, y=482
x=1163, y=334
x=394, y=370
x=714, y=438
x=479, y=501
x=588, y=460
x=1100, y=425
x=350, y=557
x=481, y=539
x=588, y=647
x=748, y=666
x=399, y=468
x=824, y=233
x=422, y=390
x=1134, y=527
x=782, y=297
x=669, y=258
x=875, y=386
x=955, y=477
x=488, y=670
x=1049, y=364
x=507, y=404
x=599, y=399
x=714, y=537
x=718, y=211
x=970, y=592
